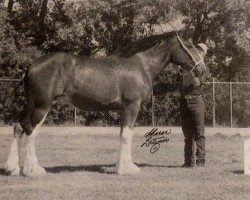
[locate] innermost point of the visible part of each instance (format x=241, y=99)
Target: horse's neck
x=154, y=60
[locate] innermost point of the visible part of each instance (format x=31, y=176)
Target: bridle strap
x=196, y=63
x=184, y=74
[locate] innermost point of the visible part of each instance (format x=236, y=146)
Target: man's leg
x=189, y=150
x=189, y=146
x=200, y=131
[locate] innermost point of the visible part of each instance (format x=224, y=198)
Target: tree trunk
x=43, y=11
x=41, y=21
x=9, y=4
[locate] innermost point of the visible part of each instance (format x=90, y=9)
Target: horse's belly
x=91, y=104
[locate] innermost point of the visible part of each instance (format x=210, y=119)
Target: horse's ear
x=181, y=34
x=202, y=48
x=184, y=33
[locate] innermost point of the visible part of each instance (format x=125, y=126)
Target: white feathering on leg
x=31, y=166
x=12, y=164
x=125, y=164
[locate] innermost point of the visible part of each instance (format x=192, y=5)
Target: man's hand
x=197, y=82
x=200, y=70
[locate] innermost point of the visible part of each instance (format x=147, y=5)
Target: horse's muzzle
x=200, y=69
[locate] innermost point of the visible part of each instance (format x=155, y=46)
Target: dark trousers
x=192, y=121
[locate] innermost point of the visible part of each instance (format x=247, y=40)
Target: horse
x=121, y=81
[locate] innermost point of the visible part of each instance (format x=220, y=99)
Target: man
x=192, y=109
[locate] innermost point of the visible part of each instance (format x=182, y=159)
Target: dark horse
x=121, y=81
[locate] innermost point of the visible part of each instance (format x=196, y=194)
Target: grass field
x=82, y=166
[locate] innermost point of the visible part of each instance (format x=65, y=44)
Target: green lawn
x=81, y=166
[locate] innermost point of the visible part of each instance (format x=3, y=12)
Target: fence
x=227, y=104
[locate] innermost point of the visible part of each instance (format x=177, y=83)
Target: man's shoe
x=186, y=165
x=200, y=164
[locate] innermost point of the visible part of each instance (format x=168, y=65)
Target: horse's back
x=51, y=60
x=46, y=77
x=86, y=82
x=110, y=79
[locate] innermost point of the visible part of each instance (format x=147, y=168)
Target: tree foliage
x=99, y=27
x=16, y=51
x=30, y=28
x=224, y=26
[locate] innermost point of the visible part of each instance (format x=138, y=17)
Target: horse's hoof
x=130, y=169
x=34, y=171
x=12, y=171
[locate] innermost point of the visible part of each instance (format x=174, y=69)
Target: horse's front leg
x=12, y=166
x=125, y=164
x=31, y=167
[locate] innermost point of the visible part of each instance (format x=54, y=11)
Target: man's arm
x=202, y=79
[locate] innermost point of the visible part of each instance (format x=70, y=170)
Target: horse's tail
x=7, y=101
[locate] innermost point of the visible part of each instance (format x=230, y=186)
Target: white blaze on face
x=73, y=61
x=202, y=48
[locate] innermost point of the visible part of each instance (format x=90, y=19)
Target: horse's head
x=188, y=56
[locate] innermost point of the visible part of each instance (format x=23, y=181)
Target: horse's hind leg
x=12, y=166
x=31, y=166
x=125, y=164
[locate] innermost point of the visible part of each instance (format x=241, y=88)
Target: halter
x=196, y=63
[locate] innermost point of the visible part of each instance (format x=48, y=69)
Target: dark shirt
x=192, y=85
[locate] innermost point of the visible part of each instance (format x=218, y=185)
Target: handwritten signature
x=155, y=138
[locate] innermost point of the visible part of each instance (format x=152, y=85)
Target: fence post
x=75, y=116
x=231, y=104
x=213, y=103
x=152, y=109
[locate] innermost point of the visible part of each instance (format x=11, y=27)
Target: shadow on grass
x=238, y=172
x=166, y=166
x=90, y=168
x=3, y=173
x=106, y=169
x=174, y=166
x=148, y=165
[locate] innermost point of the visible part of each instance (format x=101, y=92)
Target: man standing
x=192, y=109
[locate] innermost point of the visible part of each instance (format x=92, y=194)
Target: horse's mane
x=143, y=44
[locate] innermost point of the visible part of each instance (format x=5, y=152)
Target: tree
x=99, y=27
x=222, y=25
x=16, y=51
